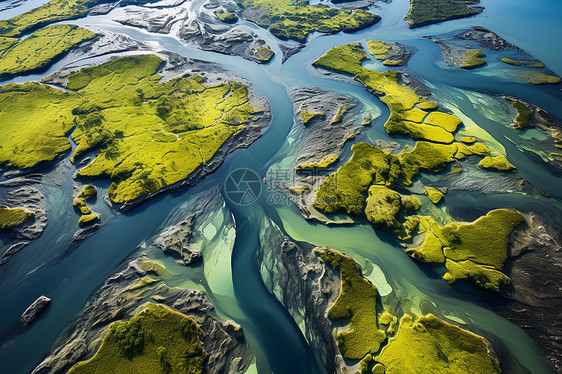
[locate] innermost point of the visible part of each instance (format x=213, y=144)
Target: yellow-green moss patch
x=498, y=163
x=383, y=207
x=427, y=105
x=444, y=120
x=264, y=54
x=296, y=20
x=156, y=340
x=13, y=217
x=226, y=17
x=400, y=99
x=524, y=114
x=425, y=12
x=538, y=77
x=34, y=121
x=471, y=58
x=38, y=50
x=306, y=116
x=378, y=49
x=430, y=345
x=510, y=61
x=320, y=164
x=357, y=302
x=52, y=11
x=344, y=108
x=122, y=110
x=434, y=194
x=480, y=247
x=468, y=139
x=344, y=190
x=88, y=219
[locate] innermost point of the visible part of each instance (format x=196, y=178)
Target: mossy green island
x=425, y=12
x=406, y=117
x=356, y=303
x=40, y=49
x=148, y=134
x=50, y=12
x=367, y=183
x=156, y=340
x=426, y=344
x=429, y=344
x=296, y=20
x=473, y=251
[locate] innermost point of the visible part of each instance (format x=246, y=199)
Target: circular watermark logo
x=243, y=186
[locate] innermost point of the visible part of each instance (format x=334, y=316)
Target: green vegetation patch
x=13, y=217
x=468, y=139
x=88, y=191
x=356, y=303
x=383, y=207
x=226, y=17
x=538, y=77
x=148, y=134
x=430, y=345
x=475, y=251
x=329, y=160
x=88, y=219
x=425, y=12
x=344, y=190
x=471, y=58
x=510, y=61
x=427, y=105
x=295, y=20
x=499, y=163
x=344, y=108
x=156, y=340
x=306, y=116
x=35, y=121
x=378, y=49
x=434, y=194
x=40, y=49
x=524, y=114
x=53, y=11
x=447, y=121
x=404, y=118
x=434, y=157
x=264, y=54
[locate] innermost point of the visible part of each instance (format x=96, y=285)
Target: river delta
x=258, y=186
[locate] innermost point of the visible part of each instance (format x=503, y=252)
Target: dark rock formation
x=34, y=310
x=306, y=287
x=32, y=200
x=175, y=240
x=486, y=38
x=221, y=39
x=534, y=298
x=122, y=295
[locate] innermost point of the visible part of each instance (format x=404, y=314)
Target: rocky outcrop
x=221, y=39
x=175, y=241
x=486, y=38
x=326, y=133
x=34, y=310
x=122, y=295
x=534, y=298
x=328, y=121
x=32, y=200
x=305, y=286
